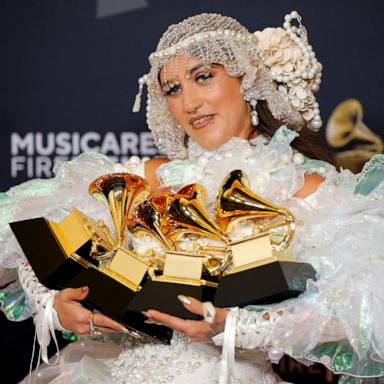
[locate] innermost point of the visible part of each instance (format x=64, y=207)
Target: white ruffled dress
x=337, y=322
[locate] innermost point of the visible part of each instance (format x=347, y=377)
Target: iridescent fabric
x=12, y=299
x=339, y=232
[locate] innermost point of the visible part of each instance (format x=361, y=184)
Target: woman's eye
x=201, y=78
x=172, y=91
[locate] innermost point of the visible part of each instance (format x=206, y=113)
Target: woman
x=221, y=98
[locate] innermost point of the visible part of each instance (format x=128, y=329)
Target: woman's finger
x=101, y=320
x=193, y=305
x=170, y=321
x=70, y=294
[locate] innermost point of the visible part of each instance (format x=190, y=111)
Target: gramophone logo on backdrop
x=106, y=8
x=34, y=154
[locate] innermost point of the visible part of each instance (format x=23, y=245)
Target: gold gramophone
x=261, y=268
x=82, y=252
x=345, y=126
x=167, y=218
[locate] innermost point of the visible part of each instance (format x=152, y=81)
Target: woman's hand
x=75, y=318
x=196, y=330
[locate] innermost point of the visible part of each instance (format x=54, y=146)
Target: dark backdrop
x=69, y=70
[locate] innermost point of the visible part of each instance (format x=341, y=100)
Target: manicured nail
x=125, y=330
x=150, y=321
x=184, y=299
x=85, y=288
x=145, y=313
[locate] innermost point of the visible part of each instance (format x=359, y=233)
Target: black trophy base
x=115, y=300
x=54, y=270
x=162, y=296
x=270, y=283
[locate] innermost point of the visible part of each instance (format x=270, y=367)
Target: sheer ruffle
x=52, y=199
x=341, y=237
x=268, y=165
x=339, y=232
x=55, y=198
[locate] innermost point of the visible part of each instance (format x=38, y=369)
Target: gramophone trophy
x=262, y=269
x=78, y=252
x=346, y=126
x=168, y=218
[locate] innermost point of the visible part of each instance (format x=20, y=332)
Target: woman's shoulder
x=150, y=169
x=311, y=182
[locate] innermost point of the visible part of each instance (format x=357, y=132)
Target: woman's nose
x=191, y=101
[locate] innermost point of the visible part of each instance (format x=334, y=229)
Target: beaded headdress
x=276, y=65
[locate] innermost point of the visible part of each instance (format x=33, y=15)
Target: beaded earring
x=254, y=115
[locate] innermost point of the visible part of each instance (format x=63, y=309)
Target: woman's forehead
x=182, y=65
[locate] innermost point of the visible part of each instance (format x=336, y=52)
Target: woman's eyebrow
x=190, y=72
x=195, y=68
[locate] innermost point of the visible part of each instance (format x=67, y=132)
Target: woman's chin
x=211, y=145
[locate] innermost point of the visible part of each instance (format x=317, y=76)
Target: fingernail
x=85, y=288
x=125, y=330
x=145, y=313
x=184, y=299
x=150, y=321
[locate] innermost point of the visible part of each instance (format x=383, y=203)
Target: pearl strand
x=310, y=68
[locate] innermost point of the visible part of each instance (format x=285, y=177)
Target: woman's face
x=207, y=104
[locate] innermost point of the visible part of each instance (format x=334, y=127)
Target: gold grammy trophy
x=78, y=252
x=168, y=218
x=346, y=126
x=262, y=268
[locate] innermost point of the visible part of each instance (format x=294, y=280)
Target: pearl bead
x=135, y=160
x=286, y=25
x=298, y=158
x=294, y=14
x=275, y=355
x=316, y=124
x=315, y=87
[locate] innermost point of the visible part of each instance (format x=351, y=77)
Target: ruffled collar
x=267, y=163
x=195, y=150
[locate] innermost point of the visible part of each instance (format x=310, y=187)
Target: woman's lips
x=202, y=121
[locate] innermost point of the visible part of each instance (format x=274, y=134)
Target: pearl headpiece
x=277, y=65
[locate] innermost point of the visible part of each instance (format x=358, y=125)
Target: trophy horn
x=149, y=218
x=235, y=201
x=186, y=214
x=345, y=125
x=121, y=192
